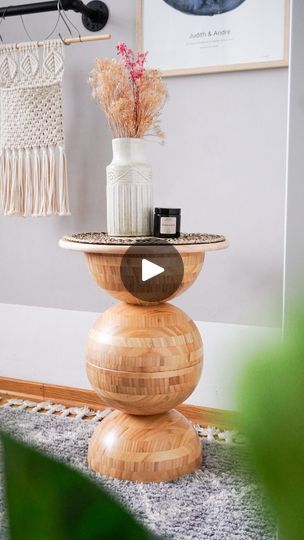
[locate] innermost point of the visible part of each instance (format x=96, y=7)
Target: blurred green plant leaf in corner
x=272, y=417
x=47, y=500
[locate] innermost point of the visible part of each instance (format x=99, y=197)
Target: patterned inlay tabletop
x=101, y=238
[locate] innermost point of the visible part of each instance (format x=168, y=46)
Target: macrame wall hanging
x=33, y=173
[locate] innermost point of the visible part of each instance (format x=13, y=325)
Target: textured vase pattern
x=129, y=190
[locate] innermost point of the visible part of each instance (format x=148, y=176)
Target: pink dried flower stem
x=131, y=95
x=134, y=63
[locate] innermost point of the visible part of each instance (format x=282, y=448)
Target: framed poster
x=202, y=36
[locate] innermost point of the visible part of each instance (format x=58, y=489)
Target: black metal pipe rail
x=95, y=14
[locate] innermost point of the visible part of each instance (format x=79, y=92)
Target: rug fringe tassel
x=33, y=182
x=210, y=433
x=51, y=408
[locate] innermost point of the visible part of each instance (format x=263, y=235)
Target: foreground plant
x=47, y=500
x=131, y=95
x=273, y=420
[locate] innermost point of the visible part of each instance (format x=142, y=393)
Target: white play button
x=152, y=273
x=150, y=270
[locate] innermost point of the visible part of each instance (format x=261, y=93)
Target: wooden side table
x=143, y=359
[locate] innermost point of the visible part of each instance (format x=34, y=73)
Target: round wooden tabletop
x=103, y=243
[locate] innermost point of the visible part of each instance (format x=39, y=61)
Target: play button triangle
x=150, y=270
x=141, y=263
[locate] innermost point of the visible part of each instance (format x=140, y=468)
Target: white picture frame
x=253, y=35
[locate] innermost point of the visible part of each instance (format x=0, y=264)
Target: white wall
x=223, y=163
x=294, y=254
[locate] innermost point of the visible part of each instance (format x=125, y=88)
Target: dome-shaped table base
x=143, y=360
x=155, y=448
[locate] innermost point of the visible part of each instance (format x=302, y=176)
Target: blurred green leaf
x=272, y=416
x=48, y=500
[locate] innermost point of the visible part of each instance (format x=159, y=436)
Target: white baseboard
x=47, y=345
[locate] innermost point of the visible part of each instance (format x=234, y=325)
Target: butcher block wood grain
x=154, y=448
x=144, y=360
x=105, y=270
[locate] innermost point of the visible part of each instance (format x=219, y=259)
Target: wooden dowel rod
x=85, y=39
x=80, y=39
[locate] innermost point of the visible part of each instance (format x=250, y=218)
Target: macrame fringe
x=33, y=182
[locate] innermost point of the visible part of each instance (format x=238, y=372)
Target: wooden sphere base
x=156, y=448
x=144, y=360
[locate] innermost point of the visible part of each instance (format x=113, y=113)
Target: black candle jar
x=167, y=222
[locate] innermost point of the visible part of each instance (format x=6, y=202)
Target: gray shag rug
x=221, y=501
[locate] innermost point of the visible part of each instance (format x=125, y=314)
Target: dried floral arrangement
x=131, y=95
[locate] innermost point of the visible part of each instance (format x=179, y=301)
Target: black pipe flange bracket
x=100, y=20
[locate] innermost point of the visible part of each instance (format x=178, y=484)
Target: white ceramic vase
x=129, y=190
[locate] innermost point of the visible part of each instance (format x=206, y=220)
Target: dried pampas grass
x=131, y=96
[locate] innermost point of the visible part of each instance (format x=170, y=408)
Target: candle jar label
x=168, y=225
